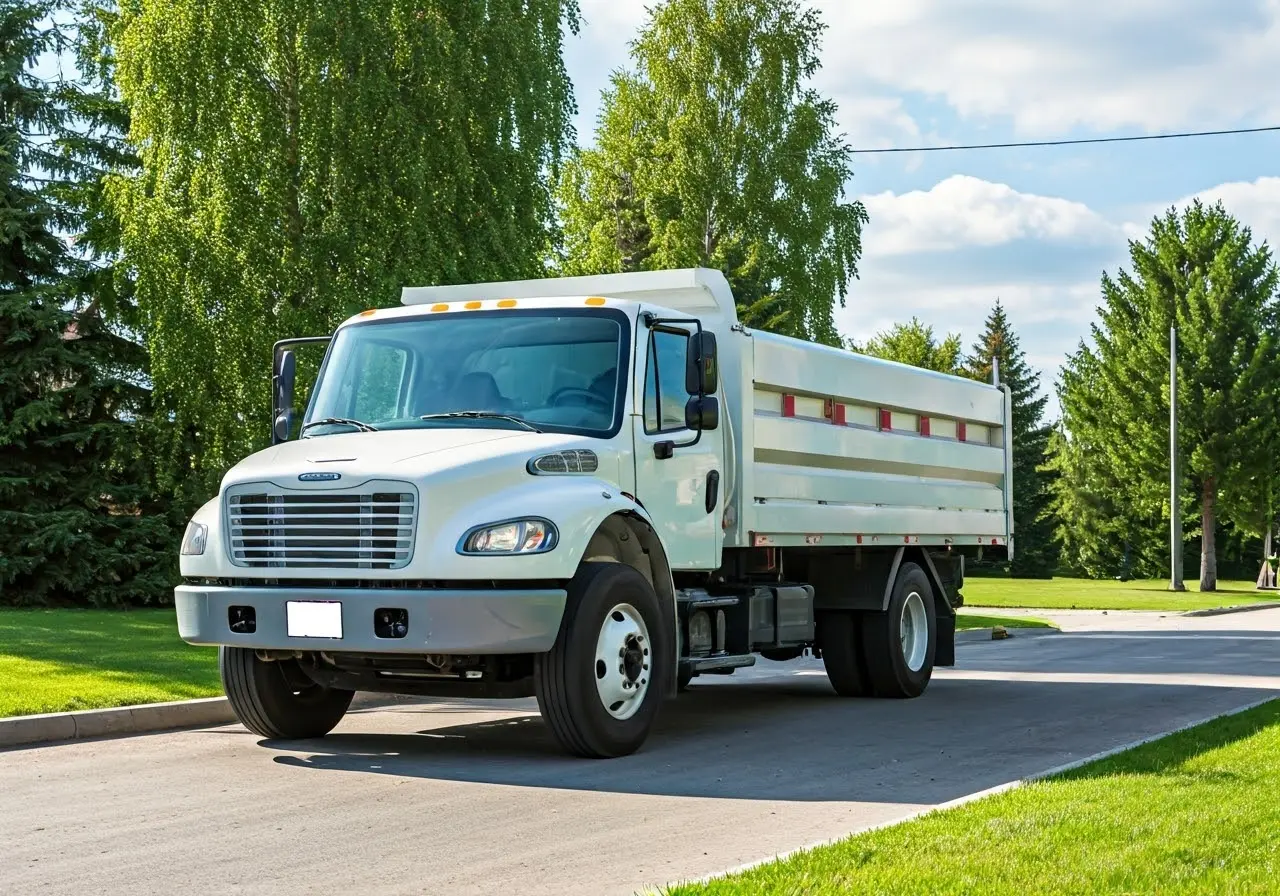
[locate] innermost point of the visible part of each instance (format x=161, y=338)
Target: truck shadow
x=782, y=734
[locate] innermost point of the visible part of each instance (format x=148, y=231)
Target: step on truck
x=591, y=491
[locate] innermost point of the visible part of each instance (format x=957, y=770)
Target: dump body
x=849, y=449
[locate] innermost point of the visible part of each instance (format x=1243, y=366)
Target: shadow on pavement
x=780, y=733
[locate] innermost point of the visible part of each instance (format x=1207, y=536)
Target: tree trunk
x=1208, y=556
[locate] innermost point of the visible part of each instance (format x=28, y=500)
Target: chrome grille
x=273, y=528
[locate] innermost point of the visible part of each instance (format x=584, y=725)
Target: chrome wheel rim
x=913, y=632
x=622, y=662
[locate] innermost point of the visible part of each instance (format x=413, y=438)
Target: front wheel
x=600, y=686
x=276, y=699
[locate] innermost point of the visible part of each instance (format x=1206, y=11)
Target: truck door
x=678, y=480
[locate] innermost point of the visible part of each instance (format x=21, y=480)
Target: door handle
x=713, y=490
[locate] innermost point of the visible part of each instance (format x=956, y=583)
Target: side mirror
x=701, y=372
x=702, y=413
x=282, y=381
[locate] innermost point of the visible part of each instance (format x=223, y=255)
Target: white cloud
x=1053, y=65
x=967, y=211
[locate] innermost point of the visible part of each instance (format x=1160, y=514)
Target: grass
x=1085, y=594
x=60, y=660
x=966, y=621
x=1194, y=812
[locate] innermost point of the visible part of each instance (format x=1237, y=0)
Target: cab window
x=664, y=394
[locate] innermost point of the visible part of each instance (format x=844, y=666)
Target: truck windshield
x=554, y=371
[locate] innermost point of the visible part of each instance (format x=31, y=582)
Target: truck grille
x=321, y=530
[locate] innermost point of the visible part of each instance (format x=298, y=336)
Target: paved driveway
x=476, y=799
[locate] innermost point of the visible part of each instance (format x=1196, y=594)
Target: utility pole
x=1175, y=522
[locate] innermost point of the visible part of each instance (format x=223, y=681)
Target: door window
x=664, y=394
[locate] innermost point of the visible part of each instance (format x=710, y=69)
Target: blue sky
x=951, y=232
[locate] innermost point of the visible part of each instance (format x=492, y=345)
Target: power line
x=1076, y=142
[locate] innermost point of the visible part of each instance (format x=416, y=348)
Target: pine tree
x=71, y=499
x=1198, y=270
x=1035, y=553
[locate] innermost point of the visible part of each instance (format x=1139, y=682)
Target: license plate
x=314, y=619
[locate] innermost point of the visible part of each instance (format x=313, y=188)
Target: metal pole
x=1175, y=523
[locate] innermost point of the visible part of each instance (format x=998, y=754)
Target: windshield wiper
x=483, y=415
x=340, y=421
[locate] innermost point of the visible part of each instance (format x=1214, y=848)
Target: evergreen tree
x=716, y=152
x=1199, y=271
x=914, y=343
x=70, y=504
x=1035, y=553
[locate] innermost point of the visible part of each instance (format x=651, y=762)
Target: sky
x=950, y=232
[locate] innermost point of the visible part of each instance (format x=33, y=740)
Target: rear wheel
x=842, y=652
x=899, y=643
x=600, y=686
x=276, y=699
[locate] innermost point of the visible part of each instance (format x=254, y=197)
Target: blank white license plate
x=314, y=619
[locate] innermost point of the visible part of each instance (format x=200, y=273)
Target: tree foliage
x=1201, y=272
x=1035, y=552
x=79, y=518
x=714, y=151
x=914, y=343
x=300, y=162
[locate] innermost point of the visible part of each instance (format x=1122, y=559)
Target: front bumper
x=448, y=622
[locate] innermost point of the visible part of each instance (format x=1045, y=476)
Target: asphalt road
x=476, y=799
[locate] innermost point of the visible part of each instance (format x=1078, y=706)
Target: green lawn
x=1195, y=812
x=58, y=660
x=966, y=621
x=1085, y=594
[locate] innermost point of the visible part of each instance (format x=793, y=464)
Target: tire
x=840, y=632
x=277, y=700
x=896, y=668
x=608, y=603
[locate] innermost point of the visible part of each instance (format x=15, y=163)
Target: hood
x=405, y=453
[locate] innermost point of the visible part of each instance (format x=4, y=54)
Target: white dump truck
x=589, y=490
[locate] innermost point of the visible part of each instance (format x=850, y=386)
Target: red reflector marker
x=960, y=433
x=924, y=426
x=886, y=419
x=788, y=405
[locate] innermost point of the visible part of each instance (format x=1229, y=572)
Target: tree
x=714, y=152
x=914, y=343
x=1034, y=553
x=71, y=493
x=1198, y=271
x=302, y=162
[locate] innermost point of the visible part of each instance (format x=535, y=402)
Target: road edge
x=1236, y=608
x=963, y=800
x=142, y=718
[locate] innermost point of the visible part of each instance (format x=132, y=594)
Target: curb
x=145, y=718
x=1240, y=608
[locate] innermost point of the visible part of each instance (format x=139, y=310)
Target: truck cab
x=529, y=489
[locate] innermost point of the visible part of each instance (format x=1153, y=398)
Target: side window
x=664, y=394
x=380, y=380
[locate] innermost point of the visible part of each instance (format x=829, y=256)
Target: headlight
x=527, y=536
x=194, y=540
